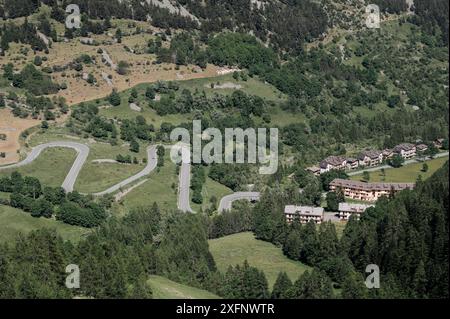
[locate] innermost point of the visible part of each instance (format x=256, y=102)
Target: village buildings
x=304, y=214
x=421, y=148
x=369, y=192
x=352, y=163
x=406, y=150
x=346, y=210
x=370, y=158
x=333, y=163
x=388, y=153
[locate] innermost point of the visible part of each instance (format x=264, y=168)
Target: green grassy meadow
x=51, y=167
x=164, y=288
x=211, y=189
x=14, y=221
x=97, y=177
x=158, y=189
x=406, y=174
x=252, y=86
x=235, y=249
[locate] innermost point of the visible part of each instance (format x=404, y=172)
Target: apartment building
x=333, y=163
x=314, y=169
x=406, y=150
x=421, y=148
x=346, y=210
x=369, y=192
x=370, y=158
x=352, y=163
x=388, y=153
x=439, y=143
x=304, y=214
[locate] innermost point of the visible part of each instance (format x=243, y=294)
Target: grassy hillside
x=252, y=86
x=406, y=174
x=14, y=221
x=160, y=188
x=235, y=249
x=98, y=177
x=211, y=86
x=164, y=288
x=51, y=167
x=211, y=189
x=94, y=177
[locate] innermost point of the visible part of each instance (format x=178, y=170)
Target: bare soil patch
x=12, y=127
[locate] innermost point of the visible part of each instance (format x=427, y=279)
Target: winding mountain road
x=184, y=199
x=184, y=176
x=227, y=202
x=71, y=178
x=83, y=153
x=152, y=162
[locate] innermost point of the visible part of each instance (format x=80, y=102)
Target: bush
x=114, y=98
x=37, y=60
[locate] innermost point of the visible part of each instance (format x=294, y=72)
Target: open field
x=95, y=177
x=253, y=86
x=123, y=111
x=164, y=288
x=4, y=195
x=235, y=249
x=226, y=84
x=282, y=118
x=211, y=189
x=14, y=221
x=12, y=127
x=161, y=188
x=98, y=177
x=51, y=167
x=406, y=174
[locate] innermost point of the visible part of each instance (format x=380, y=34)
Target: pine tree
x=312, y=285
x=327, y=242
x=310, y=243
x=140, y=289
x=281, y=287
x=420, y=281
x=293, y=244
x=114, y=98
x=353, y=287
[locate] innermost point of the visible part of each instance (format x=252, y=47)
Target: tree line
x=28, y=194
x=406, y=236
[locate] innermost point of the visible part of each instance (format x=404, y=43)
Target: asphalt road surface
x=83, y=153
x=184, y=199
x=71, y=178
x=152, y=162
x=227, y=202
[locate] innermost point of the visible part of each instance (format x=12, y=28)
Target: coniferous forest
x=407, y=236
x=311, y=69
